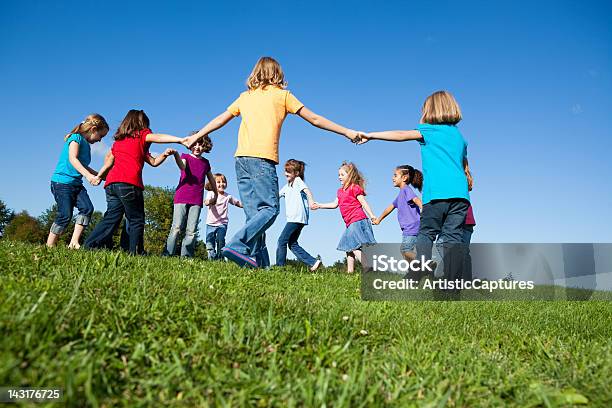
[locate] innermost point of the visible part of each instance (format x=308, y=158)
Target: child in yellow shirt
x=263, y=107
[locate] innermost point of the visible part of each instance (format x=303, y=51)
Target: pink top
x=191, y=184
x=217, y=214
x=350, y=207
x=469, y=218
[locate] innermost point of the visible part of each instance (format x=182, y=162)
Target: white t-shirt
x=296, y=201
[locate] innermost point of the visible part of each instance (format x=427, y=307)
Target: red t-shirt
x=130, y=153
x=350, y=207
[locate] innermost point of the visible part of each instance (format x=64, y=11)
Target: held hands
x=93, y=180
x=169, y=151
x=315, y=206
x=189, y=141
x=211, y=201
x=362, y=138
x=375, y=221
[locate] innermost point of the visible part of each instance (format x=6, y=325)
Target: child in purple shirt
x=408, y=207
x=189, y=196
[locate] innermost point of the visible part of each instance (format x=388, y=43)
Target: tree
x=6, y=215
x=159, y=205
x=24, y=227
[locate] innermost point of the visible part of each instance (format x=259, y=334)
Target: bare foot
x=73, y=245
x=316, y=266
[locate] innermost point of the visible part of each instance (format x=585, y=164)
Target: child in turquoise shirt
x=445, y=185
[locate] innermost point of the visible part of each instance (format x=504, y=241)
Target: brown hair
x=134, y=121
x=415, y=177
x=91, y=121
x=205, y=141
x=266, y=72
x=441, y=108
x=208, y=186
x=354, y=176
x=296, y=167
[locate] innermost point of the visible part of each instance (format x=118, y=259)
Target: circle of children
x=443, y=213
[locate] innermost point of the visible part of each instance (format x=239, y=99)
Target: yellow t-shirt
x=263, y=113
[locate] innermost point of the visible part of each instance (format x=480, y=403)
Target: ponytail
x=415, y=177
x=91, y=121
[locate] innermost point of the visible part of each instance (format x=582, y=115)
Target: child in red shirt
x=124, y=186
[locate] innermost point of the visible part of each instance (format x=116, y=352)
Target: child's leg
x=297, y=250
x=431, y=225
x=133, y=201
x=283, y=241
x=258, y=187
x=86, y=208
x=452, y=237
x=357, y=253
x=220, y=239
x=468, y=230
x=179, y=217
x=211, y=233
x=350, y=262
x=408, y=247
x=103, y=232
x=63, y=194
x=193, y=217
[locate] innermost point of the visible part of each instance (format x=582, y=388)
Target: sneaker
x=238, y=258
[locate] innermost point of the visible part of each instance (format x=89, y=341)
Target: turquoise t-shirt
x=442, y=152
x=65, y=172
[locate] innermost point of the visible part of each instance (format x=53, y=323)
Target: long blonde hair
x=266, y=72
x=91, y=121
x=441, y=108
x=353, y=175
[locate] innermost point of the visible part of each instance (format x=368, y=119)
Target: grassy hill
x=111, y=329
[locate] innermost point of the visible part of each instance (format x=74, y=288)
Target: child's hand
x=169, y=151
x=212, y=201
x=362, y=138
x=375, y=221
x=188, y=141
x=315, y=206
x=96, y=181
x=91, y=179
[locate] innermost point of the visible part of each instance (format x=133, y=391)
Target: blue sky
x=533, y=80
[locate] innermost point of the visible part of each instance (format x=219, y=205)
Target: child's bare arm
x=236, y=202
x=366, y=206
x=163, y=138
x=418, y=202
x=156, y=161
x=391, y=136
x=326, y=206
x=310, y=198
x=73, y=158
x=325, y=124
x=109, y=160
x=387, y=211
x=468, y=174
x=216, y=123
x=181, y=163
x=213, y=183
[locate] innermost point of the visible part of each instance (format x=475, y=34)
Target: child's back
x=443, y=150
x=263, y=112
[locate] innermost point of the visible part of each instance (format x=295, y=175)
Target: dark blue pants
x=289, y=237
x=68, y=196
x=444, y=219
x=121, y=198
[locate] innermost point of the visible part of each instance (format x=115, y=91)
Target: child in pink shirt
x=217, y=218
x=353, y=207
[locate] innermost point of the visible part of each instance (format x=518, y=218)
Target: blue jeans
x=408, y=243
x=444, y=219
x=289, y=237
x=68, y=196
x=183, y=214
x=121, y=198
x=258, y=188
x=215, y=240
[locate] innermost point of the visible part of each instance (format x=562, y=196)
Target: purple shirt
x=190, y=188
x=408, y=213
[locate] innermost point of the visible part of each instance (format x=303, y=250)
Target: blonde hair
x=353, y=175
x=266, y=72
x=91, y=121
x=441, y=108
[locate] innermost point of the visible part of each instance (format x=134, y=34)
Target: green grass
x=111, y=329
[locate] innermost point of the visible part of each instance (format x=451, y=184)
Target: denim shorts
x=408, y=243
